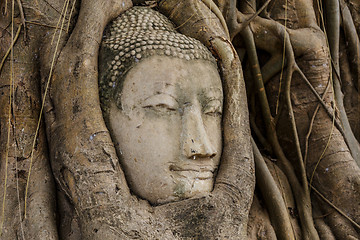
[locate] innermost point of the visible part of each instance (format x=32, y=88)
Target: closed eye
x=213, y=108
x=161, y=102
x=160, y=106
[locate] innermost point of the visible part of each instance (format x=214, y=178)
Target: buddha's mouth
x=194, y=171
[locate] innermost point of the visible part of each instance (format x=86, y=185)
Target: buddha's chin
x=186, y=188
x=196, y=183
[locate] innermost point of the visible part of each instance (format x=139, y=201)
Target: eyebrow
x=159, y=93
x=163, y=88
x=214, y=93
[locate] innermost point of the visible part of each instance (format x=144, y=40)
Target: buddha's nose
x=195, y=140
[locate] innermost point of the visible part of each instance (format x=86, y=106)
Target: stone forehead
x=141, y=32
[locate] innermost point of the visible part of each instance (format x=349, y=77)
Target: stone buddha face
x=164, y=113
x=168, y=131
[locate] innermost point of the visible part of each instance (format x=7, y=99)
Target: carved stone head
x=162, y=98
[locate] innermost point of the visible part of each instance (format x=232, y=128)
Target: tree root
x=301, y=195
x=22, y=16
x=42, y=109
x=273, y=198
x=237, y=21
x=333, y=33
x=10, y=48
x=312, y=122
x=336, y=208
x=214, y=8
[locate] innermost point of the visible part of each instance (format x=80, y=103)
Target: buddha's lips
x=199, y=172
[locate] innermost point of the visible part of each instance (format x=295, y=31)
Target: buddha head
x=161, y=96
